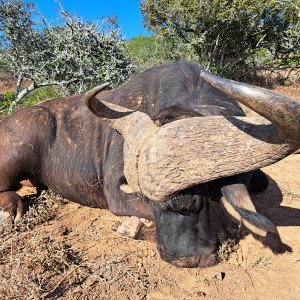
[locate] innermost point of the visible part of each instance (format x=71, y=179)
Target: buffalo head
x=169, y=166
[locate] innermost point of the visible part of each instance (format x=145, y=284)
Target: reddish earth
x=7, y=82
x=109, y=266
x=132, y=269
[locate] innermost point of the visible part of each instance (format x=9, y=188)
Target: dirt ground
x=67, y=251
x=7, y=82
x=122, y=268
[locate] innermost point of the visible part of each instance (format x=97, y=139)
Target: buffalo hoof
x=5, y=220
x=11, y=209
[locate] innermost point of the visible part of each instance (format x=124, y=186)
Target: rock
x=130, y=227
x=219, y=275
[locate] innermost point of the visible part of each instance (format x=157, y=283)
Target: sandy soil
x=132, y=269
x=106, y=265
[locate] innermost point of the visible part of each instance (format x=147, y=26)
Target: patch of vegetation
x=41, y=94
x=33, y=265
x=4, y=108
x=148, y=51
x=40, y=210
x=231, y=38
x=38, y=95
x=68, y=52
x=226, y=249
x=9, y=96
x=102, y=275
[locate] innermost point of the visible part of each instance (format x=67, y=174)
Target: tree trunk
x=21, y=95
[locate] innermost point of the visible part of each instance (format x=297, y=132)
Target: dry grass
x=35, y=265
x=30, y=266
x=101, y=278
x=40, y=210
x=226, y=249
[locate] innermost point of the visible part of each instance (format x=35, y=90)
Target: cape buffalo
x=170, y=145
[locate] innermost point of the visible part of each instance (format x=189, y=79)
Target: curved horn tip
x=94, y=91
x=281, y=110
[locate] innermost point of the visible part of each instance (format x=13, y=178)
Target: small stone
x=295, y=260
x=219, y=275
x=130, y=227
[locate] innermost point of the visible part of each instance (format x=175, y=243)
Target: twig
x=62, y=280
x=245, y=270
x=115, y=279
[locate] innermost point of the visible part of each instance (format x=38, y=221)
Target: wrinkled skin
x=62, y=145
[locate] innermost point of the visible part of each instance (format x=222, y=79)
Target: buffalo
x=171, y=145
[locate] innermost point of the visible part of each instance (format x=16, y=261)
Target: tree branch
x=33, y=87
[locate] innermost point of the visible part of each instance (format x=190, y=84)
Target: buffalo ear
x=238, y=204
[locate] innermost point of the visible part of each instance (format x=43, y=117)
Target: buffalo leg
x=121, y=203
x=11, y=208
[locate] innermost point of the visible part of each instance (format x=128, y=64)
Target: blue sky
x=127, y=12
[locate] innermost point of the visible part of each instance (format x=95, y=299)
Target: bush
x=227, y=37
x=148, y=51
x=41, y=94
x=69, y=52
x=9, y=96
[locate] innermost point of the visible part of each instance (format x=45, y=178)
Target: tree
x=148, y=51
x=229, y=37
x=71, y=53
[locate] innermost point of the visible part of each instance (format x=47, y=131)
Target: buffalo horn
x=134, y=126
x=237, y=202
x=200, y=149
x=160, y=162
x=281, y=110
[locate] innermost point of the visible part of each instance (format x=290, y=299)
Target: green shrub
x=231, y=38
x=147, y=51
x=41, y=94
x=4, y=108
x=9, y=96
x=34, y=97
